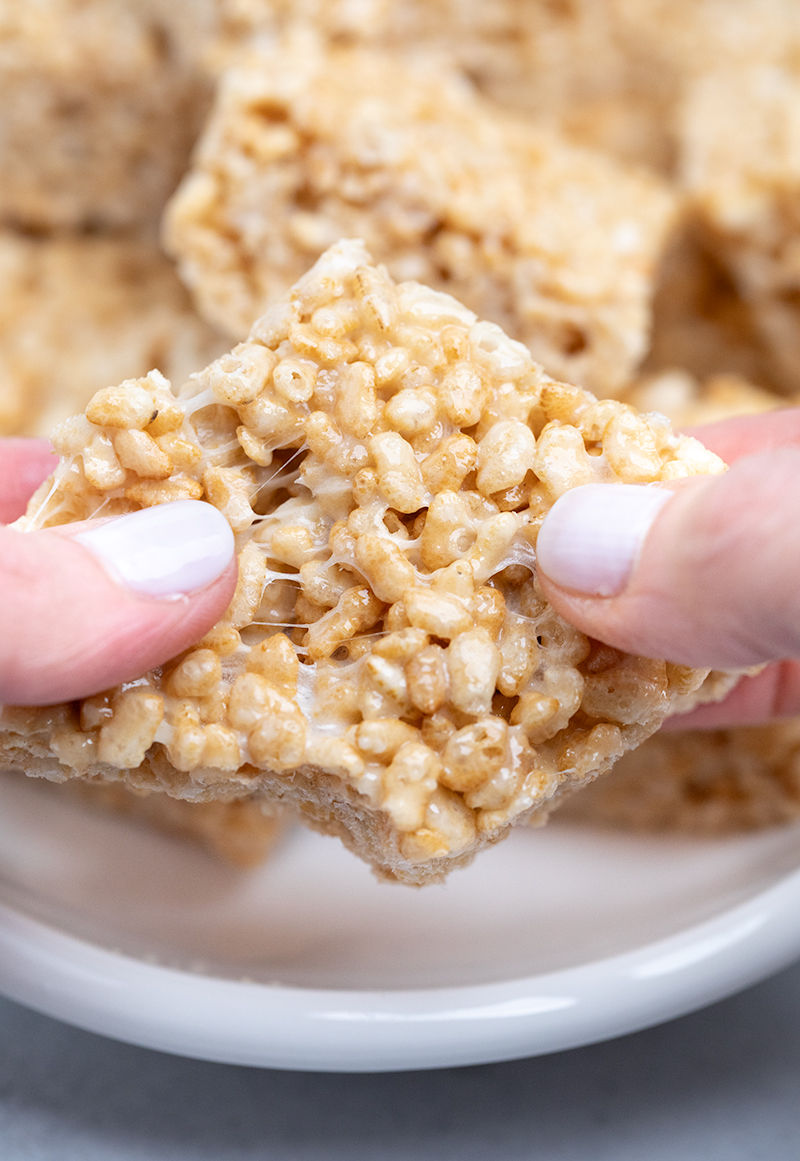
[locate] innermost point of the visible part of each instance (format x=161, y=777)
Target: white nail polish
x=592, y=536
x=167, y=550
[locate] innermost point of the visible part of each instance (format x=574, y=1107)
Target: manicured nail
x=592, y=536
x=167, y=550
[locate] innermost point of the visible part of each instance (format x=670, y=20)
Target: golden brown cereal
x=411, y=632
x=199, y=673
x=554, y=243
x=136, y=714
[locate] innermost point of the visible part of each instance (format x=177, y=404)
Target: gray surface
x=720, y=1084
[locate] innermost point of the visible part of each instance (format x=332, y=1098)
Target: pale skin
x=716, y=585
x=67, y=629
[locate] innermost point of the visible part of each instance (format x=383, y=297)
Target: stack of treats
x=381, y=281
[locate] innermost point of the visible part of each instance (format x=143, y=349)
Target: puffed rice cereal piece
x=412, y=693
x=306, y=145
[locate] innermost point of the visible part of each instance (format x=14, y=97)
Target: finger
x=704, y=575
x=773, y=693
x=24, y=463
x=732, y=439
x=88, y=606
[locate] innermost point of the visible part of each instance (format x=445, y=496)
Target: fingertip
x=70, y=628
x=591, y=538
x=163, y=551
x=713, y=578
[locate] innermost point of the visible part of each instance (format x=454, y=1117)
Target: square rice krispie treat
x=689, y=401
x=388, y=665
x=700, y=782
x=79, y=313
x=741, y=164
x=242, y=833
x=491, y=43
x=608, y=73
x=556, y=244
x=102, y=100
x=626, y=65
x=562, y=63
x=701, y=323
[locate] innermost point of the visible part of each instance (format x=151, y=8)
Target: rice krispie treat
x=561, y=63
x=102, y=100
x=556, y=244
x=688, y=401
x=626, y=65
x=701, y=323
x=608, y=73
x=741, y=162
x=388, y=665
x=242, y=833
x=700, y=782
x=78, y=313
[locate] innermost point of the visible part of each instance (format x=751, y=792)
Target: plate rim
x=237, y=1021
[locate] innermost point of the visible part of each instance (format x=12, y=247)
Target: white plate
x=553, y=939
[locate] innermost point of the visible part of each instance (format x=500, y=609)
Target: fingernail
x=167, y=550
x=592, y=536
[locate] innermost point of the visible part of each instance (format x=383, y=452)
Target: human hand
x=84, y=607
x=705, y=572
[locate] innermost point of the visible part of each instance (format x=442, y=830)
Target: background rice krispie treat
x=102, y=100
x=701, y=323
x=388, y=665
x=688, y=401
x=243, y=833
x=619, y=69
x=608, y=73
x=663, y=45
x=556, y=244
x=554, y=61
x=700, y=782
x=78, y=313
x=77, y=74
x=741, y=163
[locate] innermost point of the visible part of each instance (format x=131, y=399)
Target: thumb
x=86, y=606
x=705, y=575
